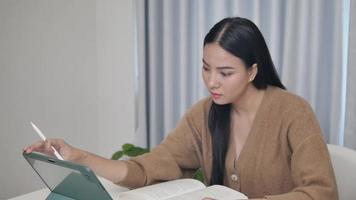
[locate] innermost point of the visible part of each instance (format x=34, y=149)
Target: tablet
x=67, y=180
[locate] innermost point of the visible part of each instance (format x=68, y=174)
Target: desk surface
x=113, y=190
x=39, y=194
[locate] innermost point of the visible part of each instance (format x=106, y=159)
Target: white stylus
x=38, y=131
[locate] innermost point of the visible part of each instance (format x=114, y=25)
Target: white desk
x=113, y=190
x=39, y=194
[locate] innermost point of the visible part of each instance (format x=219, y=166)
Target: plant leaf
x=117, y=155
x=135, y=151
x=127, y=147
x=198, y=175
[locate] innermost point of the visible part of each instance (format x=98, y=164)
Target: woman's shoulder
x=197, y=115
x=285, y=97
x=287, y=102
x=202, y=106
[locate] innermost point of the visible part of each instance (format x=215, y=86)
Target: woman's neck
x=249, y=102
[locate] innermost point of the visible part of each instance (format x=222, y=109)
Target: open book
x=181, y=189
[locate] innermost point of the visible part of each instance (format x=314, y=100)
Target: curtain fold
x=350, y=129
x=304, y=38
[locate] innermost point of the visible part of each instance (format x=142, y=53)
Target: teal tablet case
x=67, y=180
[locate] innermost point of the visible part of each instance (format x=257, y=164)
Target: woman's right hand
x=113, y=170
x=67, y=151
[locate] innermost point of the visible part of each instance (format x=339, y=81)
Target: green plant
x=131, y=150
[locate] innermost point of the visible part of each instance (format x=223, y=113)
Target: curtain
x=350, y=129
x=304, y=37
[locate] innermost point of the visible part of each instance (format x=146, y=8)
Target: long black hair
x=242, y=38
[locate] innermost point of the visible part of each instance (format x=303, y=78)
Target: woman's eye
x=225, y=74
x=205, y=68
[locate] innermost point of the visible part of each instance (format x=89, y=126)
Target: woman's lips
x=215, y=95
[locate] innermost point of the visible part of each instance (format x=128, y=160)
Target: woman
x=250, y=134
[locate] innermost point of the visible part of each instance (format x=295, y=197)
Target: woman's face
x=224, y=74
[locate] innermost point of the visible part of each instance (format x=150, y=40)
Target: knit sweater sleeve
x=311, y=167
x=175, y=157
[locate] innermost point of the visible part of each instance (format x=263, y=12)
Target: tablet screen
x=67, y=178
x=51, y=174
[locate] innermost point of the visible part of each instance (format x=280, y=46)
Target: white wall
x=68, y=67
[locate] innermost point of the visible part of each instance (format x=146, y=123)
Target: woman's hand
x=67, y=151
x=113, y=170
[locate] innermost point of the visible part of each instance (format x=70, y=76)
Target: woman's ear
x=252, y=72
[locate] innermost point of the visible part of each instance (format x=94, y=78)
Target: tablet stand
x=55, y=196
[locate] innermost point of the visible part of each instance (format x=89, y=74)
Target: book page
x=113, y=189
x=163, y=190
x=214, y=192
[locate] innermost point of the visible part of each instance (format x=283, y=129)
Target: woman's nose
x=213, y=82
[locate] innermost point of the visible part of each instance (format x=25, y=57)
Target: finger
x=56, y=143
x=42, y=147
x=59, y=145
x=48, y=145
x=38, y=146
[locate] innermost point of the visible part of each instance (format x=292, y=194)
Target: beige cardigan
x=284, y=157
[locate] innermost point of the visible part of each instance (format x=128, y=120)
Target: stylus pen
x=38, y=131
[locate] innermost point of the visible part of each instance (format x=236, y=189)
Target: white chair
x=344, y=164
